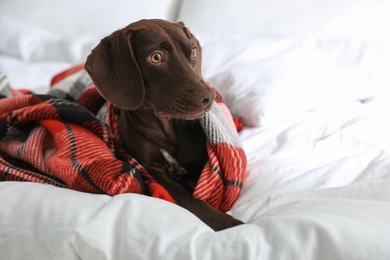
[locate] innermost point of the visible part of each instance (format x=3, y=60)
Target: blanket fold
x=69, y=138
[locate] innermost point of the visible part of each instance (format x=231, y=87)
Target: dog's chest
x=176, y=150
x=189, y=155
x=191, y=147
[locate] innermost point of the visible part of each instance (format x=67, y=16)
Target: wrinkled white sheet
x=317, y=188
x=268, y=78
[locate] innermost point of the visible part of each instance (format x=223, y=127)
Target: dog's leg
x=213, y=218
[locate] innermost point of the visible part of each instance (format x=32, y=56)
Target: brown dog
x=151, y=69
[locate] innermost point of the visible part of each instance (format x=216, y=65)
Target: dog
x=151, y=70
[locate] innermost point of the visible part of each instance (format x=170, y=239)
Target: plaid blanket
x=69, y=138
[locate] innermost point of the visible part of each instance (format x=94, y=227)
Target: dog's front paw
x=225, y=221
x=219, y=221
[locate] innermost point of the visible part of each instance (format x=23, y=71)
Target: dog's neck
x=169, y=146
x=146, y=123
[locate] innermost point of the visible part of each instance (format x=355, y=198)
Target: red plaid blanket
x=69, y=138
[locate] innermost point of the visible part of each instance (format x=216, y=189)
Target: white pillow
x=71, y=18
x=357, y=19
x=265, y=79
x=32, y=43
x=68, y=30
x=29, y=42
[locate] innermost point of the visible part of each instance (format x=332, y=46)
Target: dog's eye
x=193, y=53
x=156, y=57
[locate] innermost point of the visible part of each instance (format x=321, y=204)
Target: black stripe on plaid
x=75, y=163
x=225, y=181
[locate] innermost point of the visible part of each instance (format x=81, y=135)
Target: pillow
x=266, y=79
x=29, y=42
x=68, y=30
x=357, y=19
x=77, y=17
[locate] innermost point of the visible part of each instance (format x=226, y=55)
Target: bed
x=310, y=81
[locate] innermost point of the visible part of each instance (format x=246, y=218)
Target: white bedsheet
x=317, y=188
x=318, y=184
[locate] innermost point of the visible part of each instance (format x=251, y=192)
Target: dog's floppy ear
x=115, y=71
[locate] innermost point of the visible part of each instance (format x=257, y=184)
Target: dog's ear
x=115, y=71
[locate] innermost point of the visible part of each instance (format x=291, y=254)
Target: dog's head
x=152, y=63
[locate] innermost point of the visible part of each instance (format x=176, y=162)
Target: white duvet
x=318, y=148
x=317, y=188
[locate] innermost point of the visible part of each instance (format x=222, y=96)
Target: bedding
x=315, y=107
x=323, y=19
x=256, y=78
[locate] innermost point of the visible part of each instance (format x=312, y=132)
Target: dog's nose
x=205, y=102
x=205, y=97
